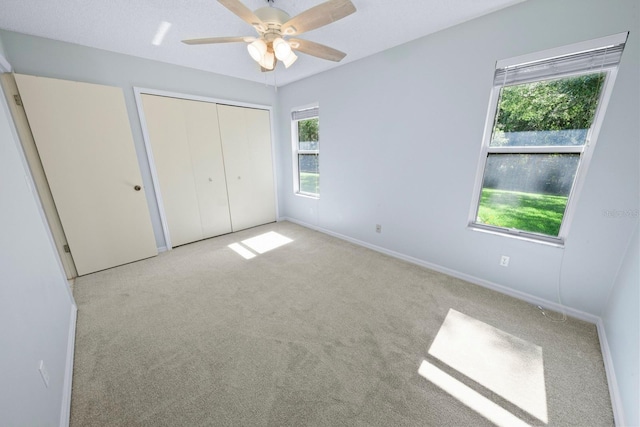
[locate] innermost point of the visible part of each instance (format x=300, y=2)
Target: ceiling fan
x=275, y=26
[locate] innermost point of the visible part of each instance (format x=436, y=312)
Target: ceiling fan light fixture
x=281, y=48
x=257, y=49
x=289, y=60
x=268, y=61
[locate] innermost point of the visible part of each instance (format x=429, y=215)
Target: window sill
x=308, y=196
x=475, y=227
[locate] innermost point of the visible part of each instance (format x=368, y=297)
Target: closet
x=212, y=166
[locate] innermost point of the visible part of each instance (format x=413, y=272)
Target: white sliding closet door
x=84, y=140
x=185, y=142
x=168, y=136
x=246, y=144
x=208, y=167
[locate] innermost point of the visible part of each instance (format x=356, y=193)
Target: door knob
x=137, y=188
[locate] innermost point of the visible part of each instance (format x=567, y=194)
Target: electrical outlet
x=44, y=373
x=504, y=261
x=378, y=228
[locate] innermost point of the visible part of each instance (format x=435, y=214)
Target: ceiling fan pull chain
x=275, y=83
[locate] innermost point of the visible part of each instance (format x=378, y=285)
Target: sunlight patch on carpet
x=471, y=398
x=266, y=242
x=250, y=248
x=503, y=363
x=242, y=251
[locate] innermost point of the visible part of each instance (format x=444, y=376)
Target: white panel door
x=185, y=142
x=84, y=139
x=246, y=144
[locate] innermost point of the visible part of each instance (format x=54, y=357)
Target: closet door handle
x=137, y=188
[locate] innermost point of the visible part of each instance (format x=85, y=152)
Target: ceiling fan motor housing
x=272, y=19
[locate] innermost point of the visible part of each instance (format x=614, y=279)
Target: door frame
x=139, y=91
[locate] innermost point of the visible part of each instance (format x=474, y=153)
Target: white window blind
x=592, y=60
x=305, y=114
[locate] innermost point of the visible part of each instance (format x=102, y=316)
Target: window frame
x=585, y=151
x=296, y=152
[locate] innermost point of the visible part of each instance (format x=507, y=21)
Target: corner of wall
x=65, y=409
x=619, y=335
x=612, y=382
x=5, y=66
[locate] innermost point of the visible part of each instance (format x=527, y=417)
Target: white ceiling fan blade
x=316, y=49
x=318, y=16
x=243, y=12
x=212, y=40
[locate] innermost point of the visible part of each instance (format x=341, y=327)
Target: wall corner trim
x=65, y=409
x=614, y=390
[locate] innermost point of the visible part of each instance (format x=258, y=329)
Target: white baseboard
x=578, y=314
x=65, y=411
x=614, y=391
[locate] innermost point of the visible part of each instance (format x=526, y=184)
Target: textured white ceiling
x=128, y=26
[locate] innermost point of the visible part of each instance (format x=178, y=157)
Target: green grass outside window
x=536, y=213
x=310, y=182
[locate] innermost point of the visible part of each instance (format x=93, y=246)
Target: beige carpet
x=320, y=332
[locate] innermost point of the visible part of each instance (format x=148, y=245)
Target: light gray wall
x=50, y=58
x=622, y=324
x=401, y=133
x=35, y=304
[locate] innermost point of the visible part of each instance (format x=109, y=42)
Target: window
x=544, y=116
x=306, y=147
